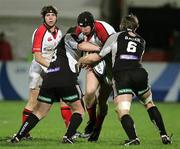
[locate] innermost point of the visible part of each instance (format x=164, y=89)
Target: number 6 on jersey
x=131, y=47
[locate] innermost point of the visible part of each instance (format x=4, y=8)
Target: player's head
x=85, y=21
x=129, y=21
x=49, y=15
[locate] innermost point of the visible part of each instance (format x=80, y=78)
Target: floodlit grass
x=48, y=133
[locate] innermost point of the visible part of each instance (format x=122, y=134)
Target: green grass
x=48, y=133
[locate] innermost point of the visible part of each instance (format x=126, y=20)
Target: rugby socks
x=92, y=113
x=29, y=124
x=129, y=127
x=75, y=121
x=66, y=114
x=25, y=114
x=99, y=121
x=101, y=114
x=157, y=120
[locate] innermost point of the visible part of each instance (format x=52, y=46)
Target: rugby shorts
x=66, y=94
x=131, y=81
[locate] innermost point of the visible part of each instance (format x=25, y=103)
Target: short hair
x=130, y=21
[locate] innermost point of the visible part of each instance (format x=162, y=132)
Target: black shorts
x=131, y=81
x=67, y=94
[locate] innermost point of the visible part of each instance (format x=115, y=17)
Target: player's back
x=130, y=48
x=59, y=72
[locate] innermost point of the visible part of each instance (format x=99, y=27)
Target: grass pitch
x=48, y=133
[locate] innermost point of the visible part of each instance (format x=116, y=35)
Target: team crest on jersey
x=49, y=39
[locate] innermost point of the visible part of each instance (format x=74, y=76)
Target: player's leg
x=33, y=93
x=92, y=84
x=45, y=100
x=145, y=95
x=66, y=113
x=155, y=116
x=123, y=103
x=41, y=111
x=72, y=96
x=35, y=81
x=102, y=108
x=28, y=109
x=123, y=93
x=75, y=121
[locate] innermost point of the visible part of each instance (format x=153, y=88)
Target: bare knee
x=90, y=93
x=77, y=107
x=32, y=101
x=90, y=99
x=41, y=109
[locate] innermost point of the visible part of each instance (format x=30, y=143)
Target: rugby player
x=98, y=77
x=129, y=77
x=59, y=82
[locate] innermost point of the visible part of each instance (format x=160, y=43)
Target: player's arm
x=75, y=43
x=40, y=59
x=107, y=48
x=88, y=47
x=37, y=40
x=89, y=59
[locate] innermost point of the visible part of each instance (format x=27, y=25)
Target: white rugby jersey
x=44, y=41
x=102, y=31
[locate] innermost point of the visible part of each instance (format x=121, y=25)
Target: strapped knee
x=124, y=105
x=147, y=100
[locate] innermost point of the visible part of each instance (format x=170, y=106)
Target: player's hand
x=88, y=67
x=82, y=65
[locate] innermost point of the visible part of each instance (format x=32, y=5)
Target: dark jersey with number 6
x=127, y=49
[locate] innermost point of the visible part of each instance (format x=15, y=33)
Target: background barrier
x=164, y=80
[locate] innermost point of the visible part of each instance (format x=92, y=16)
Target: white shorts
x=35, y=79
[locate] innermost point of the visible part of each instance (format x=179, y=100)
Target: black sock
x=99, y=121
x=157, y=120
x=75, y=121
x=128, y=125
x=30, y=123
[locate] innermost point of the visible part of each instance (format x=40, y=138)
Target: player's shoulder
x=58, y=29
x=141, y=38
x=114, y=36
x=40, y=30
x=98, y=22
x=102, y=25
x=77, y=30
x=42, y=27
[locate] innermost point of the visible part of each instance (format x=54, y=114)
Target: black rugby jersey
x=61, y=70
x=127, y=49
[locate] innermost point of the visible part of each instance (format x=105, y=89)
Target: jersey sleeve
x=71, y=41
x=103, y=30
x=38, y=37
x=109, y=44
